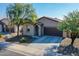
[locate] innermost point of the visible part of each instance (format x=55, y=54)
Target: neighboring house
x=5, y=21
x=44, y=26
x=6, y=27
x=2, y=27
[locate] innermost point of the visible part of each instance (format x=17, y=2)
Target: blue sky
x=57, y=10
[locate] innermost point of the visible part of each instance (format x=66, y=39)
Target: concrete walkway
x=30, y=49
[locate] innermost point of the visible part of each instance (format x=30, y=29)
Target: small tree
x=70, y=24
x=20, y=14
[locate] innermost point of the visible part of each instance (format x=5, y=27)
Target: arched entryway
x=2, y=27
x=36, y=30
x=39, y=29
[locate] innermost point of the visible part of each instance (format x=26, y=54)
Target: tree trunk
x=73, y=39
x=67, y=34
x=73, y=36
x=22, y=31
x=18, y=30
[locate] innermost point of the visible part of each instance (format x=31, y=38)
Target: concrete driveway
x=6, y=52
x=48, y=39
x=30, y=49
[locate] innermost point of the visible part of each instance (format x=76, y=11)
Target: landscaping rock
x=65, y=48
x=66, y=42
x=52, y=51
x=60, y=49
x=2, y=40
x=69, y=51
x=76, y=43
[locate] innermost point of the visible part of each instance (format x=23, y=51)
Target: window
x=28, y=29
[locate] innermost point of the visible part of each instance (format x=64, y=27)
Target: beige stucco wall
x=39, y=30
x=65, y=34
x=15, y=28
x=31, y=32
x=44, y=21
x=48, y=23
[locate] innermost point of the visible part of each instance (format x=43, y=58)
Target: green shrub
x=23, y=40
x=0, y=35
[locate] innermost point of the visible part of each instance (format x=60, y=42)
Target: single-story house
x=44, y=26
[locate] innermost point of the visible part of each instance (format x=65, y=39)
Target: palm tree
x=70, y=24
x=20, y=14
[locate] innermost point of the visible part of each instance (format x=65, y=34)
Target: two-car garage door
x=52, y=31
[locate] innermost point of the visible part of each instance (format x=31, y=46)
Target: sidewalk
x=29, y=49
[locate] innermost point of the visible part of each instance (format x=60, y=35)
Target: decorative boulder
x=71, y=50
x=2, y=40
x=66, y=42
x=76, y=43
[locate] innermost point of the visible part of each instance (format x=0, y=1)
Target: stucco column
x=39, y=30
x=42, y=30
x=64, y=34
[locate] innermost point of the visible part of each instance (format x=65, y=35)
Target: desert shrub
x=20, y=39
x=23, y=40
x=0, y=35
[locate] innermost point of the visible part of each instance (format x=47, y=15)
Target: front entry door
x=36, y=30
